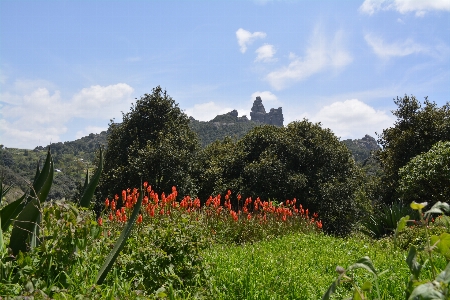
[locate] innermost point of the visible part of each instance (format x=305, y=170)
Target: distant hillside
x=18, y=166
x=228, y=124
x=362, y=150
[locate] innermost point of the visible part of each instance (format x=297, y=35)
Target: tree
x=426, y=177
x=302, y=161
x=416, y=130
x=153, y=143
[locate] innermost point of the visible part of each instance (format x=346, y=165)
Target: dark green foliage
x=302, y=161
x=426, y=177
x=221, y=127
x=416, y=130
x=25, y=233
x=153, y=143
x=384, y=220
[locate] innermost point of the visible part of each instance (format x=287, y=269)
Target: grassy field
x=302, y=266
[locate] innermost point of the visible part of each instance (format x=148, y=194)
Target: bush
x=427, y=176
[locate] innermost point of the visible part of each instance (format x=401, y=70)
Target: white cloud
x=266, y=97
x=88, y=130
x=100, y=101
x=245, y=38
x=320, y=55
x=38, y=117
x=353, y=119
x=420, y=7
x=265, y=53
x=385, y=50
x=207, y=111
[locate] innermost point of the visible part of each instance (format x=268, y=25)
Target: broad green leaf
x=24, y=226
x=402, y=223
x=331, y=290
x=444, y=276
x=418, y=206
x=357, y=295
x=89, y=190
x=364, y=263
x=41, y=179
x=426, y=291
x=442, y=244
x=10, y=212
x=438, y=208
x=109, y=261
x=367, y=286
x=400, y=226
x=413, y=265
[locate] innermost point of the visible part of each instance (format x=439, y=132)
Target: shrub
x=427, y=176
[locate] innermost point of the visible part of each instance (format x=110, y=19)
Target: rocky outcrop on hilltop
x=273, y=117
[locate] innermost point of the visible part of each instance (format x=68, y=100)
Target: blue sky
x=68, y=67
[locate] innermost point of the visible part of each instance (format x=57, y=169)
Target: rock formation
x=273, y=117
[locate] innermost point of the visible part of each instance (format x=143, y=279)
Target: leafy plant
x=384, y=221
x=436, y=286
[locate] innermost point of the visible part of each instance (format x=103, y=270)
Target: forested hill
x=221, y=126
x=71, y=158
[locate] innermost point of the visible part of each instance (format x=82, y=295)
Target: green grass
x=301, y=266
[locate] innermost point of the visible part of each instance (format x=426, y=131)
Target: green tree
x=426, y=177
x=153, y=143
x=416, y=130
x=302, y=161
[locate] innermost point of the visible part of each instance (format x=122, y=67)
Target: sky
x=67, y=68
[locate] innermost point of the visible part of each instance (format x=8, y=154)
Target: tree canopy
x=302, y=161
x=153, y=143
x=416, y=130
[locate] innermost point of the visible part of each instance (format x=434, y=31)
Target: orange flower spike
x=100, y=221
x=106, y=203
x=124, y=195
x=124, y=218
x=249, y=217
x=145, y=184
x=174, y=191
x=149, y=189
x=128, y=191
x=145, y=200
x=118, y=214
x=123, y=210
x=110, y=217
x=116, y=197
x=307, y=212
x=239, y=197
x=113, y=205
x=139, y=219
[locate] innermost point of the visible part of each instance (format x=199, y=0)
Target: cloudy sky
x=68, y=67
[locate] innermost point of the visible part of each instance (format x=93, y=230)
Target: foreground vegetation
x=282, y=213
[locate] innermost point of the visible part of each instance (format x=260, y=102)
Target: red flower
x=139, y=219
x=100, y=221
x=106, y=202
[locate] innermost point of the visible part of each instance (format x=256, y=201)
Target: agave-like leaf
x=10, y=212
x=28, y=220
x=24, y=226
x=107, y=265
x=90, y=186
x=43, y=177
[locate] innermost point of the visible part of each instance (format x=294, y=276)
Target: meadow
x=178, y=249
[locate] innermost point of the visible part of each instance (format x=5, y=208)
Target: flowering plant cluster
x=215, y=213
